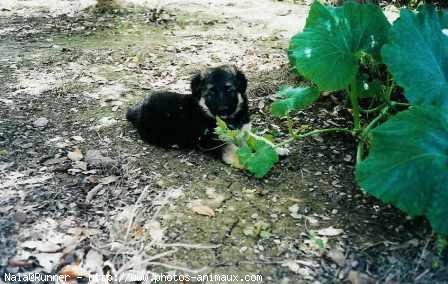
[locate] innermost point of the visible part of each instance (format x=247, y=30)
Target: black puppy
x=167, y=118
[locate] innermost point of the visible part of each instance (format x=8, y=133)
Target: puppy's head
x=220, y=91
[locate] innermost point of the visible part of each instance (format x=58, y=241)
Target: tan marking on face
x=205, y=108
x=238, y=108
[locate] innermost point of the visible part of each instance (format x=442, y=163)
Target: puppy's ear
x=241, y=81
x=196, y=85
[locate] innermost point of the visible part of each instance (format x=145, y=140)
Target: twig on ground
x=134, y=211
x=196, y=271
x=192, y=246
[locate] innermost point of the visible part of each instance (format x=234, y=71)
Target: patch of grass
x=95, y=114
x=124, y=34
x=106, y=6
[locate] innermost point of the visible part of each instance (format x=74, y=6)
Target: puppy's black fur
x=167, y=118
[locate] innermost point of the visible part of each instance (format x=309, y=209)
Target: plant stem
x=353, y=94
x=261, y=138
x=389, y=92
x=366, y=130
x=359, y=152
x=393, y=103
x=290, y=126
x=314, y=132
x=370, y=110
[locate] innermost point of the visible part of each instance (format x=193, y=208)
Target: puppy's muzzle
x=223, y=109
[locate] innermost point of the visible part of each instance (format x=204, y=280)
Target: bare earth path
x=81, y=194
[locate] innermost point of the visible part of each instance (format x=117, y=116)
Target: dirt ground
x=82, y=195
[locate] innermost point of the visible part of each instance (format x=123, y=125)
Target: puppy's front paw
x=230, y=156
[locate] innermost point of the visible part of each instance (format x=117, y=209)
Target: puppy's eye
x=228, y=91
x=211, y=92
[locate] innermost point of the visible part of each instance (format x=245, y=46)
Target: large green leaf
x=408, y=164
x=258, y=160
x=328, y=49
x=294, y=99
x=417, y=55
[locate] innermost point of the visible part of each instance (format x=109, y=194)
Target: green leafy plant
x=441, y=245
x=256, y=153
x=408, y=160
x=407, y=164
x=319, y=242
x=259, y=229
x=402, y=150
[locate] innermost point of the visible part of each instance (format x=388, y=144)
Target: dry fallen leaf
x=41, y=246
x=155, y=231
x=210, y=192
x=61, y=145
x=23, y=263
x=337, y=256
x=293, y=211
x=137, y=231
x=356, y=277
x=71, y=272
x=105, y=122
x=91, y=194
x=40, y=122
x=330, y=232
x=76, y=155
x=108, y=180
x=214, y=199
x=55, y=161
x=48, y=261
x=292, y=265
x=312, y=220
x=78, y=138
x=80, y=165
x=93, y=262
x=203, y=210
